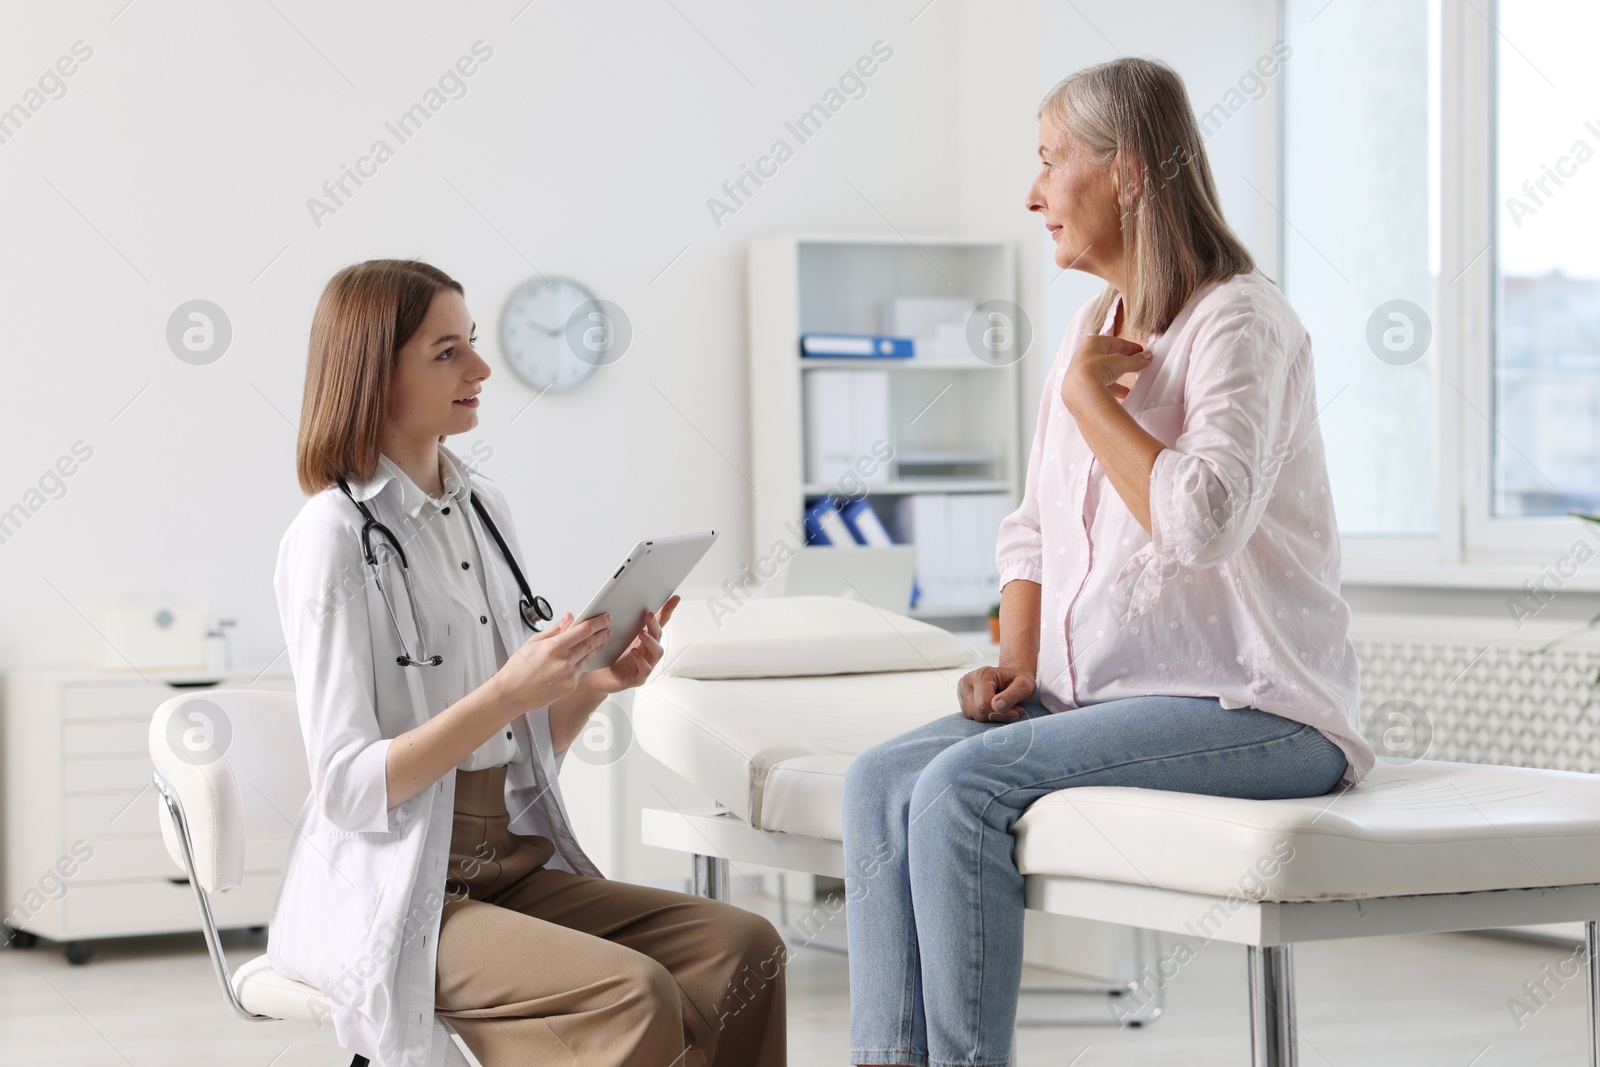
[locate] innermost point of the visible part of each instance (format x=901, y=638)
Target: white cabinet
x=83, y=852
x=962, y=411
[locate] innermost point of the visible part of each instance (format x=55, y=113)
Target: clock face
x=533, y=332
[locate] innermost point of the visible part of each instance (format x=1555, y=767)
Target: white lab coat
x=358, y=912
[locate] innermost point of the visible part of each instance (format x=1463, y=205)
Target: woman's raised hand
x=1098, y=363
x=640, y=658
x=545, y=668
x=995, y=694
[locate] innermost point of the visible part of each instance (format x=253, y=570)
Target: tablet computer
x=648, y=577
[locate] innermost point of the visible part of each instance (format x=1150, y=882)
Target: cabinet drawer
x=125, y=737
x=97, y=816
x=113, y=700
x=136, y=699
x=118, y=859
x=159, y=906
x=100, y=773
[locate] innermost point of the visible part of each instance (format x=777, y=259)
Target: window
x=1441, y=242
x=1547, y=276
x=1361, y=247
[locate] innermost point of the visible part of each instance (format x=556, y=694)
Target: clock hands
x=547, y=331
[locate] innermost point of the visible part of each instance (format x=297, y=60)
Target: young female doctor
x=435, y=871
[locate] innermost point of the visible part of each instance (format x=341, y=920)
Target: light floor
x=1404, y=1001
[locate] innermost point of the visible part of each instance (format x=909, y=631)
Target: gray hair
x=1136, y=112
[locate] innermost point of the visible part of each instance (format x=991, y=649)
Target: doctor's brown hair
x=367, y=313
x=1135, y=113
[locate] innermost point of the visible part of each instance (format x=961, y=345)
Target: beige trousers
x=541, y=967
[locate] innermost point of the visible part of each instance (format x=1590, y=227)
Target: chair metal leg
x=219, y=959
x=711, y=877
x=466, y=1053
x=1270, y=971
x=1591, y=931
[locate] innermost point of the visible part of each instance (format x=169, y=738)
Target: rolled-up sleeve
x=1208, y=492
x=320, y=587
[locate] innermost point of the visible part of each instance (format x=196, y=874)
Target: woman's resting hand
x=995, y=694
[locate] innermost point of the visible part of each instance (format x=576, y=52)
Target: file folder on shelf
x=864, y=523
x=855, y=346
x=956, y=536
x=825, y=526
x=846, y=423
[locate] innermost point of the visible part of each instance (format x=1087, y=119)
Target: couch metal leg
x=711, y=877
x=1591, y=931
x=1270, y=970
x=359, y=1061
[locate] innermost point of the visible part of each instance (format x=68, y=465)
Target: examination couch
x=765, y=707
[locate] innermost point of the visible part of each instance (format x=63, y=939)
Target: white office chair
x=231, y=767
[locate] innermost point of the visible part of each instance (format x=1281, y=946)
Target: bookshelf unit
x=836, y=284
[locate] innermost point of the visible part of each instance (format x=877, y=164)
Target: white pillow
x=795, y=636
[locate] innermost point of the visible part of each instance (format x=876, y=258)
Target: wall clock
x=541, y=340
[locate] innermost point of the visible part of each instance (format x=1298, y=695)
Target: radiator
x=1478, y=690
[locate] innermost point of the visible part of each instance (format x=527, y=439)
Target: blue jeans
x=934, y=900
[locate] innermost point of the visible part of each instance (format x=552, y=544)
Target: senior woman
x=1170, y=608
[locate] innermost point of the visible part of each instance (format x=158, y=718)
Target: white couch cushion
x=801, y=635
x=805, y=795
x=765, y=714
x=774, y=750
x=1407, y=829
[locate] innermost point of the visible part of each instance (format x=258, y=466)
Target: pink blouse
x=1235, y=595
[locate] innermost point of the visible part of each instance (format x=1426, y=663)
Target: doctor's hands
x=1097, y=364
x=995, y=694
x=546, y=667
x=634, y=665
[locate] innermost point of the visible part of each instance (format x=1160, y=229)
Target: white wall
x=179, y=163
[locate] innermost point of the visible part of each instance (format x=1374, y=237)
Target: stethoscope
x=535, y=609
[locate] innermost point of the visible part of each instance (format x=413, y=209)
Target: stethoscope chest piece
x=535, y=609
x=535, y=612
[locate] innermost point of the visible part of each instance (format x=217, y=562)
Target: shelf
x=949, y=613
x=837, y=283
x=868, y=363
x=928, y=485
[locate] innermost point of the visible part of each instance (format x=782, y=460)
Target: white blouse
x=443, y=532
x=1235, y=592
